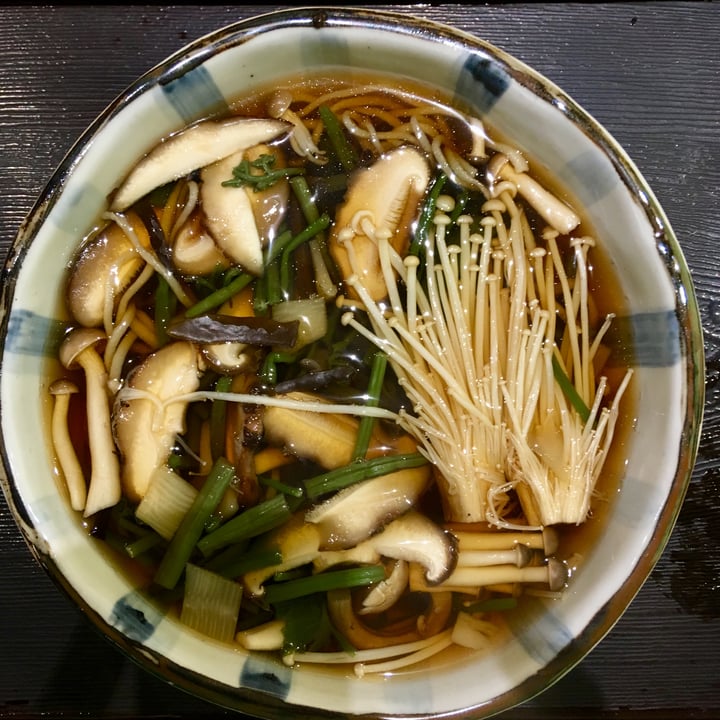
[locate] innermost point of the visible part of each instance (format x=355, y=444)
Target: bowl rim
x=196, y=53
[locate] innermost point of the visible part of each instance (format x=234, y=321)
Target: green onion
x=427, y=214
x=360, y=470
x=236, y=560
x=252, y=522
x=322, y=582
x=218, y=412
x=305, y=199
x=137, y=547
x=377, y=377
x=569, y=390
x=276, y=247
x=460, y=203
x=268, y=371
x=306, y=626
x=343, y=149
x=275, y=290
x=284, y=488
x=166, y=502
x=165, y=305
x=220, y=296
x=191, y=528
x=229, y=555
x=308, y=233
x=292, y=574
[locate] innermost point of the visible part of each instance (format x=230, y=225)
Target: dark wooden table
x=650, y=72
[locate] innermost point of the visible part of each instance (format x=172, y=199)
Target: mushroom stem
x=545, y=540
x=340, y=608
x=558, y=215
x=519, y=555
x=78, y=349
x=64, y=449
x=104, y=490
x=553, y=574
x=386, y=593
x=268, y=636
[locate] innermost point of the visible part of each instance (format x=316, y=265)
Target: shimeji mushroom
x=519, y=555
x=553, y=574
x=61, y=390
x=555, y=212
x=78, y=350
x=193, y=148
x=546, y=539
x=146, y=420
x=382, y=200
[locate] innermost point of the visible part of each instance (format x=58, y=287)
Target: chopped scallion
x=252, y=522
x=218, y=413
x=186, y=537
x=322, y=582
x=427, y=214
x=569, y=390
x=220, y=296
x=377, y=378
x=165, y=306
x=343, y=149
x=357, y=471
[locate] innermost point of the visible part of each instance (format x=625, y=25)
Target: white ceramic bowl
x=549, y=639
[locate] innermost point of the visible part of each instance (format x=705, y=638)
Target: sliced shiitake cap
x=191, y=149
x=144, y=430
x=361, y=510
x=297, y=542
x=386, y=593
x=389, y=191
x=194, y=250
x=411, y=537
x=107, y=258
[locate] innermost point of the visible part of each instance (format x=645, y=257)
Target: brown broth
x=607, y=294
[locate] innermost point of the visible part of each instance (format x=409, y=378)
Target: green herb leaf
x=246, y=173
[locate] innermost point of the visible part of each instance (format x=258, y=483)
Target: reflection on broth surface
x=335, y=382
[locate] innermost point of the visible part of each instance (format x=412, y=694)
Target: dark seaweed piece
x=314, y=381
x=217, y=328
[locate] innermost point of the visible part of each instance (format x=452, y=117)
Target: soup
x=338, y=383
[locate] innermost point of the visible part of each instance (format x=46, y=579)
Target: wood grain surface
x=650, y=73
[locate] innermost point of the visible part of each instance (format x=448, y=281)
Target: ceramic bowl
x=554, y=635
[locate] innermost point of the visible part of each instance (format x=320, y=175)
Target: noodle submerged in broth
x=335, y=379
